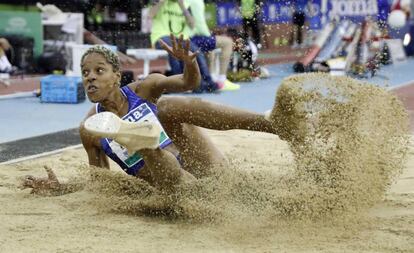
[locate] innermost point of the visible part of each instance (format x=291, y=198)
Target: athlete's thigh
x=198, y=153
x=178, y=115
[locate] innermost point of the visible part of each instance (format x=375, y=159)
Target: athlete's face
x=98, y=77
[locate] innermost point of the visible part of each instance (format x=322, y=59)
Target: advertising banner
x=23, y=23
x=228, y=14
x=280, y=11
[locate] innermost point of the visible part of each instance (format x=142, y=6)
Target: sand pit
x=335, y=189
x=73, y=222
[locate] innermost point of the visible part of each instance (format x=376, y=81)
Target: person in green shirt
x=96, y=16
x=170, y=16
x=250, y=11
x=174, y=17
x=201, y=36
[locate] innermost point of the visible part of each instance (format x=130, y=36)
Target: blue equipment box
x=61, y=89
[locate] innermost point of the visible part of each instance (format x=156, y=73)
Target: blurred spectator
x=5, y=65
x=96, y=16
x=244, y=64
x=250, y=11
x=207, y=42
x=298, y=21
x=174, y=17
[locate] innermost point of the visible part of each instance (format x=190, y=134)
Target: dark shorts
x=205, y=43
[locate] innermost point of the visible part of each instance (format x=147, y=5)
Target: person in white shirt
x=5, y=65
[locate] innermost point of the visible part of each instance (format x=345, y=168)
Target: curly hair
x=110, y=56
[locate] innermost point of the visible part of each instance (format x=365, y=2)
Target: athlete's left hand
x=180, y=49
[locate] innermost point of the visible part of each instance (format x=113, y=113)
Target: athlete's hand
x=180, y=49
x=43, y=184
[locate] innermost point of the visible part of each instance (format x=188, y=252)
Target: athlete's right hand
x=42, y=184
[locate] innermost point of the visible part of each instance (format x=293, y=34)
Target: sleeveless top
x=139, y=110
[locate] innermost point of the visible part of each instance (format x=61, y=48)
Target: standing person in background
x=96, y=16
x=298, y=21
x=201, y=36
x=5, y=65
x=250, y=10
x=174, y=17
x=401, y=16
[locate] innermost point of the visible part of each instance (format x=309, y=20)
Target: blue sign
x=282, y=11
x=313, y=11
x=358, y=10
x=228, y=14
x=279, y=11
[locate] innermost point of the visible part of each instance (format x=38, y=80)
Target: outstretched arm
x=189, y=80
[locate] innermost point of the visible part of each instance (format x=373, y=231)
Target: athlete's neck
x=116, y=103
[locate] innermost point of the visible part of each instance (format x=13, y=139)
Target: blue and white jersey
x=139, y=110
